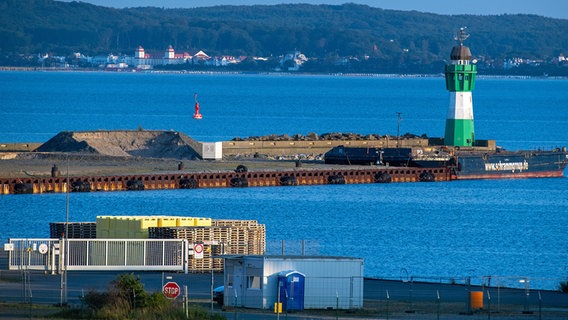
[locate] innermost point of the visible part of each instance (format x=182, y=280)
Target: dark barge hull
x=510, y=165
x=463, y=164
x=396, y=157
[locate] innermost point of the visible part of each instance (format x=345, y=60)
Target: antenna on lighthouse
x=196, y=115
x=461, y=35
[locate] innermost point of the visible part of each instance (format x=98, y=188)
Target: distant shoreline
x=274, y=73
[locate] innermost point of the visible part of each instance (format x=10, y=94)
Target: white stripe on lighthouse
x=461, y=106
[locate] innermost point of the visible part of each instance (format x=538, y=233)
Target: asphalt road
x=416, y=300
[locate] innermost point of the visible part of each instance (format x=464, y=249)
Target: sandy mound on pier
x=124, y=143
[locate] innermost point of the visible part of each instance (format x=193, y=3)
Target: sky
x=547, y=8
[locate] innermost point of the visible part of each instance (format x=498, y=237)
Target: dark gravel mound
x=124, y=143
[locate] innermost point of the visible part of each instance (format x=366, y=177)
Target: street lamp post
x=526, y=281
x=399, y=118
x=64, y=249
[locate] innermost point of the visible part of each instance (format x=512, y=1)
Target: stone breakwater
x=334, y=136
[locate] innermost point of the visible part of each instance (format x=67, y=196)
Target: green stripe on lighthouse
x=460, y=77
x=461, y=133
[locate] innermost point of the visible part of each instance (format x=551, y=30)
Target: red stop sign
x=171, y=290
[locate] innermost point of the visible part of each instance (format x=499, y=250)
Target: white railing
x=98, y=254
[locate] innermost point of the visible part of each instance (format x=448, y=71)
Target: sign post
x=198, y=250
x=171, y=290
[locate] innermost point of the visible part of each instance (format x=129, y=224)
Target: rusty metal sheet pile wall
x=222, y=179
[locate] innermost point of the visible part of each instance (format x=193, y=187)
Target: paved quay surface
x=26, y=165
x=406, y=300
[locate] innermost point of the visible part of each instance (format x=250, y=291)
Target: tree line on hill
x=347, y=37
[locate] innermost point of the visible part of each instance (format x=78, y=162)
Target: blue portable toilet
x=291, y=286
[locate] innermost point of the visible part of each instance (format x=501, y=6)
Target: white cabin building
x=252, y=281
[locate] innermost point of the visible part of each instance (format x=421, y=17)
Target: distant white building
x=144, y=60
x=199, y=56
x=223, y=61
x=103, y=61
x=296, y=57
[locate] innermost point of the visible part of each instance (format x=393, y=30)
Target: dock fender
x=80, y=186
x=239, y=182
x=427, y=177
x=23, y=188
x=288, y=181
x=135, y=185
x=382, y=177
x=241, y=168
x=188, y=183
x=336, y=179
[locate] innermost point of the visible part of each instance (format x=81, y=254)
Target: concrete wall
x=275, y=148
x=19, y=147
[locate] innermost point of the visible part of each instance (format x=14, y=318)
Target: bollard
x=55, y=171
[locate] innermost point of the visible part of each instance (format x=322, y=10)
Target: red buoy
x=197, y=115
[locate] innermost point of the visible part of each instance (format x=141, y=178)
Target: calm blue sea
x=506, y=228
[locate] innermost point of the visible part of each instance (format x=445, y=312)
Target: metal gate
x=55, y=255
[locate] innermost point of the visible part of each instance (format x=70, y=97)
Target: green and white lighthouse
x=460, y=80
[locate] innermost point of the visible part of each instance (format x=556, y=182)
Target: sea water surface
x=501, y=228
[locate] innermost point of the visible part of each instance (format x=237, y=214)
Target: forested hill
x=34, y=26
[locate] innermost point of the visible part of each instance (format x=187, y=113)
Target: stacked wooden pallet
x=247, y=236
x=75, y=230
x=222, y=237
